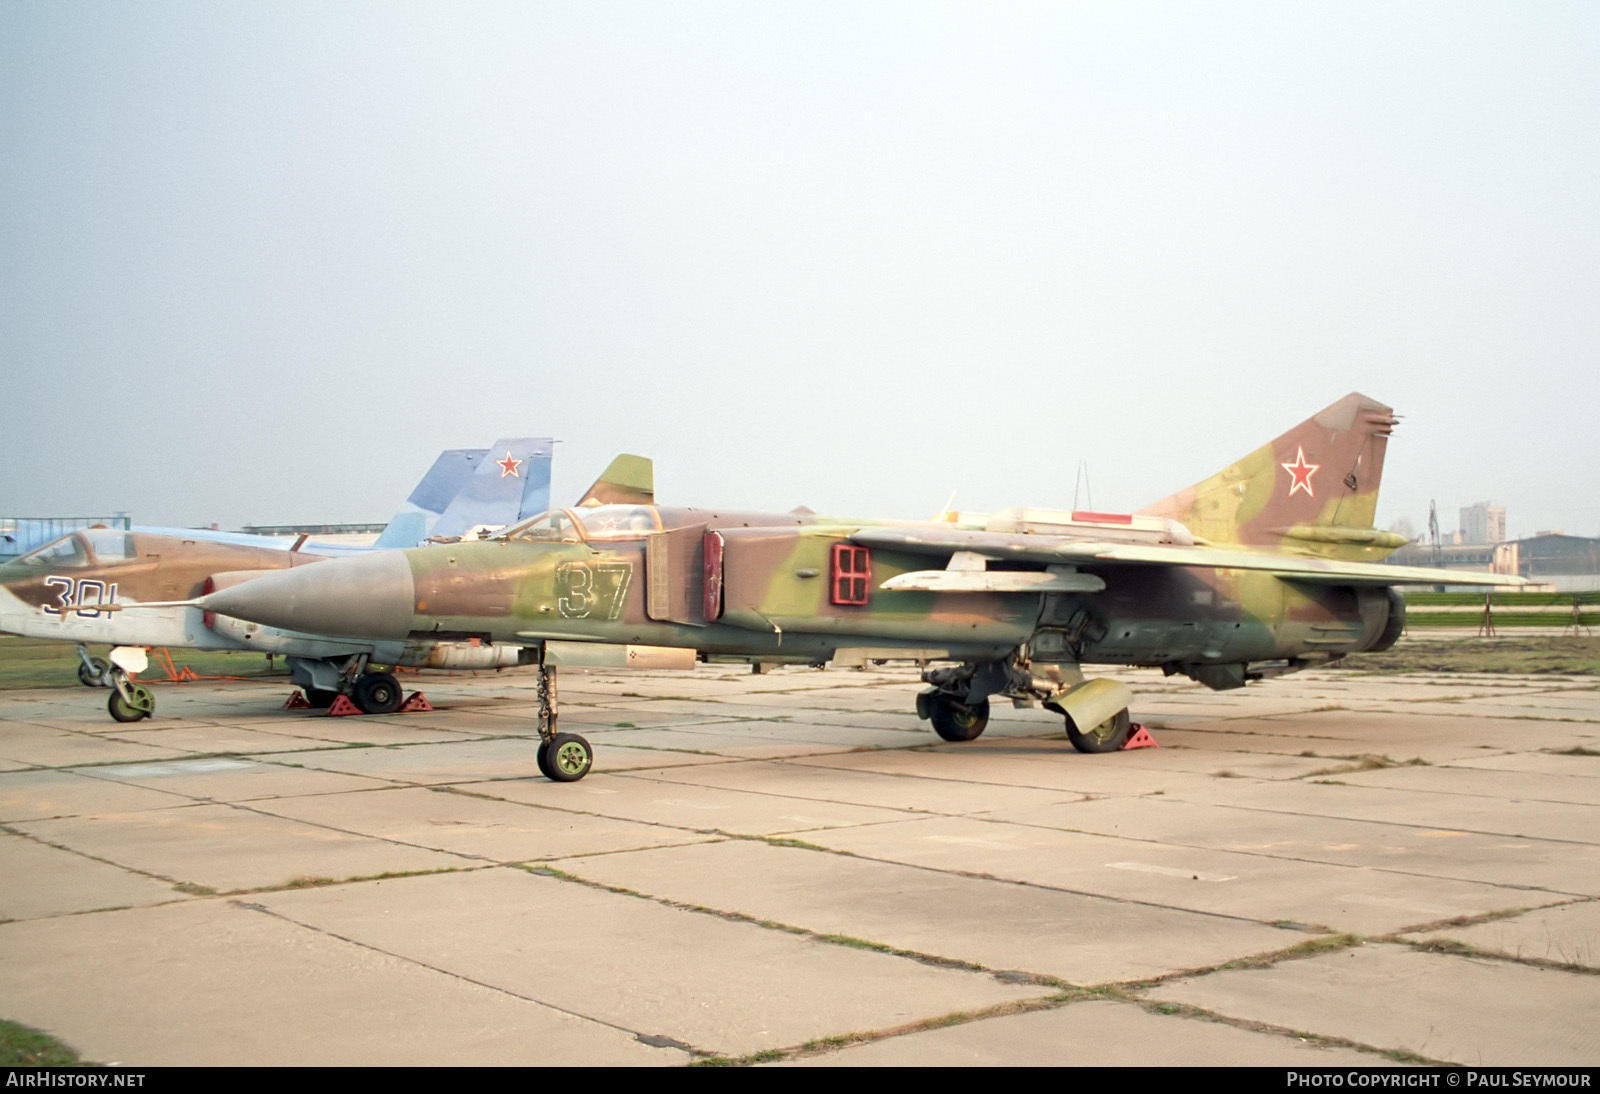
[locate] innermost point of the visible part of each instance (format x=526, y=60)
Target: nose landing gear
x=562, y=757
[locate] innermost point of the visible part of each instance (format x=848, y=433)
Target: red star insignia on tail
x=508, y=466
x=1300, y=473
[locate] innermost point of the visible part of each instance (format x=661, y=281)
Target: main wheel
x=568, y=758
x=377, y=693
x=91, y=677
x=320, y=698
x=955, y=721
x=124, y=711
x=544, y=760
x=1108, y=736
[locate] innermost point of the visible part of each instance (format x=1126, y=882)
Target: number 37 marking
x=593, y=589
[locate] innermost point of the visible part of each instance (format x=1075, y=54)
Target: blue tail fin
x=467, y=487
x=512, y=483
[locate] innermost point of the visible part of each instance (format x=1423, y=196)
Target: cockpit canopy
x=575, y=526
x=83, y=548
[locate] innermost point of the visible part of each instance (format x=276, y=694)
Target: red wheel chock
x=342, y=706
x=414, y=702
x=1139, y=738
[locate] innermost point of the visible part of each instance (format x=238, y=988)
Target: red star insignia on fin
x=508, y=466
x=1300, y=473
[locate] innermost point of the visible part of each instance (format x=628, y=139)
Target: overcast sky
x=259, y=262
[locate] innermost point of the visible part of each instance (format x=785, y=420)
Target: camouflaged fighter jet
x=1264, y=568
x=75, y=587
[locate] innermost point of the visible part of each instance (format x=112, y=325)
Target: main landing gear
x=323, y=680
x=92, y=670
x=563, y=757
x=377, y=693
x=957, y=721
x=1109, y=736
x=1095, y=711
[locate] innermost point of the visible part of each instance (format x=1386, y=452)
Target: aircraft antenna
x=1083, y=481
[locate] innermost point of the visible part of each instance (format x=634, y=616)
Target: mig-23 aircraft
x=74, y=588
x=1264, y=568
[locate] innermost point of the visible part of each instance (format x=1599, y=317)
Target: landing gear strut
x=563, y=757
x=1095, y=711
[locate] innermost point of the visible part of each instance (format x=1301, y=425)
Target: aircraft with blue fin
x=75, y=587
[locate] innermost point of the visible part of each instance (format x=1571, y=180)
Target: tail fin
x=512, y=483
x=1312, y=491
x=466, y=487
x=628, y=480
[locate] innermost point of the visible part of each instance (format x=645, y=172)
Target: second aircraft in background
x=74, y=588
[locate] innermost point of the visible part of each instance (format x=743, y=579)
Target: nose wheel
x=129, y=702
x=565, y=758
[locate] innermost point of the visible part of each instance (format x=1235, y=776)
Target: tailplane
x=1312, y=491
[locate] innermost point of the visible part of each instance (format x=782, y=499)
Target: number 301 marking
x=80, y=591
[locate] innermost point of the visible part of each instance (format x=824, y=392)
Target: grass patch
x=1462, y=921
x=43, y=663
x=1312, y=947
x=1532, y=655
x=305, y=881
x=854, y=943
x=1365, y=762
x=778, y=841
x=21, y=1046
x=1447, y=945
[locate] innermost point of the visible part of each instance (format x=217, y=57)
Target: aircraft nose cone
x=364, y=596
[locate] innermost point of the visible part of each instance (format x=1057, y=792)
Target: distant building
x=1565, y=563
x=1570, y=563
x=343, y=535
x=1483, y=523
